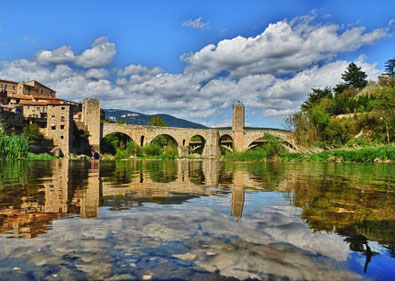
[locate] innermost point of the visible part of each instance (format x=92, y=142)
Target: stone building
x=30, y=88
x=60, y=126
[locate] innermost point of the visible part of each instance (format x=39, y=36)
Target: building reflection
x=68, y=190
x=28, y=210
x=238, y=195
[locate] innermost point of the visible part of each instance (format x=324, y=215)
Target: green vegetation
x=32, y=133
x=390, y=67
x=157, y=121
x=41, y=156
x=272, y=149
x=13, y=146
x=353, y=109
x=363, y=154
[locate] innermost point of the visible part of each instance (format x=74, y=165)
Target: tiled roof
x=22, y=97
x=34, y=103
x=44, y=97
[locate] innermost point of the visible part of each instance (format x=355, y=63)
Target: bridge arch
x=196, y=144
x=257, y=139
x=110, y=142
x=226, y=142
x=166, y=138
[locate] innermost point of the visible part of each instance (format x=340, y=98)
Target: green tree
x=156, y=120
x=121, y=122
x=384, y=110
x=353, y=78
x=390, y=67
x=32, y=133
x=316, y=96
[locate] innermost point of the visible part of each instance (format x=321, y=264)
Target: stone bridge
x=211, y=140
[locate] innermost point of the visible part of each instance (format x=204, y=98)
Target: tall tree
x=316, y=96
x=354, y=77
x=390, y=67
x=157, y=121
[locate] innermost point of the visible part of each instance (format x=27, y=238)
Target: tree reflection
x=162, y=171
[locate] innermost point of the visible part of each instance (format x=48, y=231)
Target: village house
x=26, y=103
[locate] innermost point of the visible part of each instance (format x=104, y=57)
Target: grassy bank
x=13, y=146
x=363, y=154
x=40, y=156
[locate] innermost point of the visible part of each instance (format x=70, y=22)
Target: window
x=61, y=127
x=62, y=108
x=38, y=108
x=61, y=137
x=1, y=85
x=53, y=116
x=5, y=86
x=53, y=126
x=13, y=87
x=41, y=91
x=61, y=118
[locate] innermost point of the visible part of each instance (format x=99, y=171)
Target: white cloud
x=305, y=53
x=280, y=49
x=60, y=55
x=101, y=54
x=97, y=73
x=196, y=23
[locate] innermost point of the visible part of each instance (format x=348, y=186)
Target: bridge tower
x=238, y=126
x=91, y=119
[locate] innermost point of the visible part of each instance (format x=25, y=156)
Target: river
x=196, y=220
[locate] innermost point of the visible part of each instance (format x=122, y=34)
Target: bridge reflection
x=80, y=188
x=33, y=194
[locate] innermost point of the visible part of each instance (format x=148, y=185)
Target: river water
x=196, y=220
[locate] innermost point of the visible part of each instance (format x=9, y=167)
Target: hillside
x=137, y=118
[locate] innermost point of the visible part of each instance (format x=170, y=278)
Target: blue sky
x=193, y=59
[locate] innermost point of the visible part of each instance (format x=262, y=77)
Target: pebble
x=147, y=277
x=185, y=257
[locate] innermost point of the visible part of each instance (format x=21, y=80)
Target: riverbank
x=385, y=153
x=362, y=154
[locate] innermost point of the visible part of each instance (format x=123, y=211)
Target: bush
x=121, y=154
x=152, y=150
x=32, y=133
x=13, y=146
x=41, y=156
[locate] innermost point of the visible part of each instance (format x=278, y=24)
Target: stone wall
x=60, y=126
x=91, y=119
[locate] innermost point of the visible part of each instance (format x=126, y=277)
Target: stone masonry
x=91, y=120
x=60, y=126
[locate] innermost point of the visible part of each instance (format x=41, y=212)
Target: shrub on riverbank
x=13, y=146
x=364, y=154
x=41, y=156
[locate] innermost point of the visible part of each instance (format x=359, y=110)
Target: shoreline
x=369, y=154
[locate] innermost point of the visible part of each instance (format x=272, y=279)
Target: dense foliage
x=32, y=133
x=272, y=149
x=331, y=118
x=13, y=146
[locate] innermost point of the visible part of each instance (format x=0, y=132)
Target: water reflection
x=34, y=193
x=322, y=210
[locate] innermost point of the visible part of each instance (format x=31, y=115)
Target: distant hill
x=252, y=128
x=136, y=118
